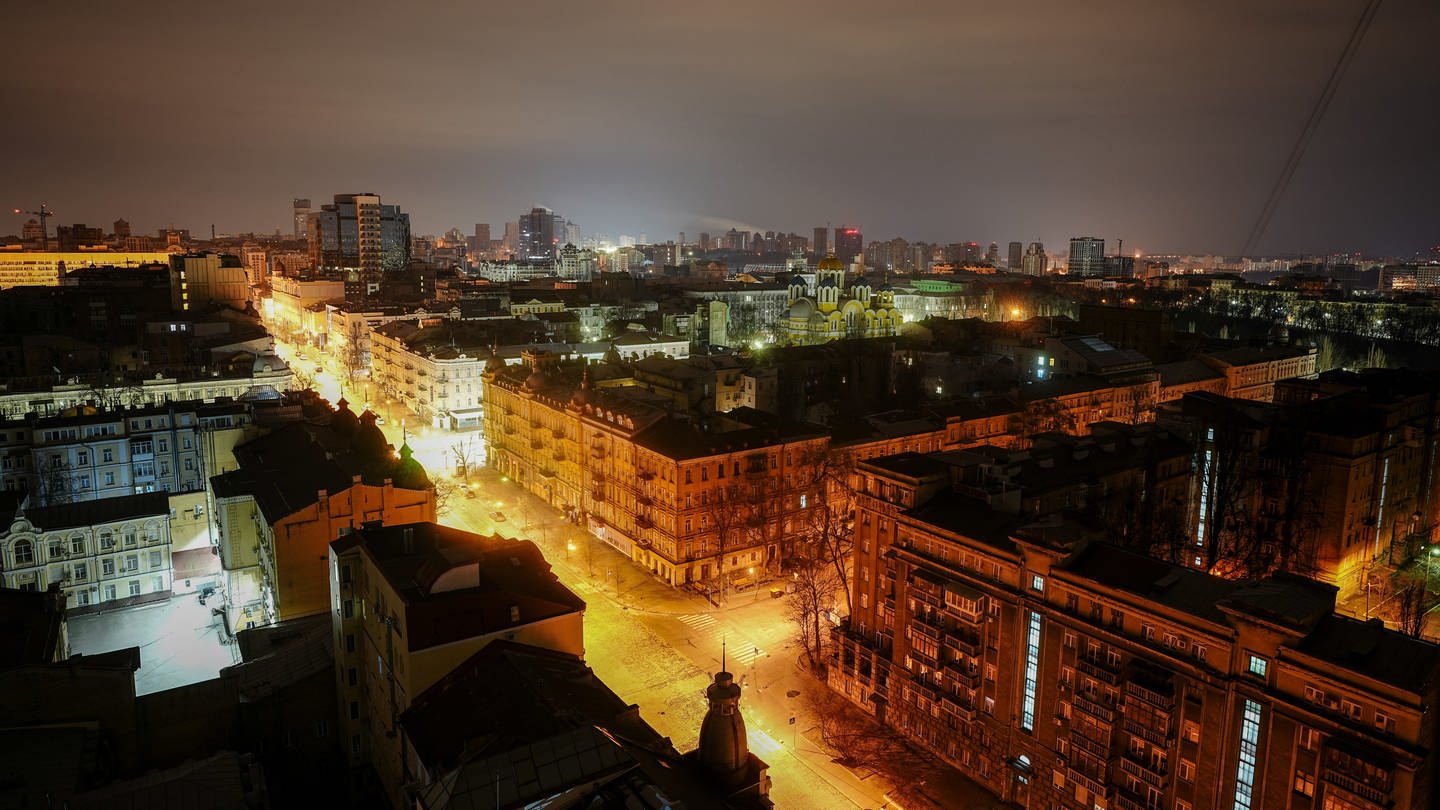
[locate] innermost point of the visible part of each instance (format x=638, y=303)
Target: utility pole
x=43, y=214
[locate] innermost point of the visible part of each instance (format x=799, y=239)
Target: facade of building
x=99, y=553
x=361, y=239
x=1087, y=256
x=199, y=281
x=1078, y=675
x=540, y=233
x=95, y=455
x=411, y=602
x=1252, y=371
x=268, y=373
x=291, y=493
x=829, y=311
x=46, y=269
x=292, y=297
x=1035, y=261
x=711, y=505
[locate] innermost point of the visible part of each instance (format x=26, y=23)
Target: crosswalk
x=737, y=650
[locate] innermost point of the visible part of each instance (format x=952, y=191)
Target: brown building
x=711, y=501
x=1072, y=674
x=410, y=604
x=1252, y=371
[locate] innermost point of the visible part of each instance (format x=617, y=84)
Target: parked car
x=498, y=517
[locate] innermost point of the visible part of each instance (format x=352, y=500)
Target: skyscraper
x=360, y=238
x=992, y=255
x=821, y=243
x=1017, y=252
x=572, y=234
x=302, y=218
x=1087, y=256
x=538, y=234
x=1035, y=260
x=512, y=238
x=848, y=244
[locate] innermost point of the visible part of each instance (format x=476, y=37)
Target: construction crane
x=44, y=214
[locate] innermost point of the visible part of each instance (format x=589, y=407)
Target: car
x=379, y=420
x=498, y=517
x=470, y=493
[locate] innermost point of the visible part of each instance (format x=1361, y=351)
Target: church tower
x=724, y=749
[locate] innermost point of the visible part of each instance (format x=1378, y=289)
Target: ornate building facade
x=831, y=311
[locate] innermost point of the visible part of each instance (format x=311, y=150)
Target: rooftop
x=94, y=513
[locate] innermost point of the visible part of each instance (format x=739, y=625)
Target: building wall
x=293, y=559
x=35, y=269
x=1133, y=704
x=94, y=565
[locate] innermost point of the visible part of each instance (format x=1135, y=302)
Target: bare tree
x=56, y=483
x=463, y=452
x=1041, y=416
x=815, y=584
x=445, y=489
x=304, y=380
x=724, y=513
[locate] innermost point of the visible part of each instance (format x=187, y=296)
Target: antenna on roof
x=722, y=654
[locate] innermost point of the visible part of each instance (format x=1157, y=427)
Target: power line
x=1317, y=114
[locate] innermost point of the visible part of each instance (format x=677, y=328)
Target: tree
x=724, y=512
x=1041, y=416
x=445, y=489
x=304, y=380
x=464, y=453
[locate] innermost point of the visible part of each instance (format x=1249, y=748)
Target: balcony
x=644, y=521
x=1150, y=691
x=1098, y=711
x=968, y=677
x=536, y=444
x=645, y=475
x=1354, y=786
x=643, y=499
x=1147, y=733
x=1146, y=771
x=1130, y=800
x=558, y=433
x=967, y=643
x=957, y=706
x=1099, y=669
x=1085, y=781
x=1082, y=740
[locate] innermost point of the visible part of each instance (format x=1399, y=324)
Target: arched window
x=24, y=552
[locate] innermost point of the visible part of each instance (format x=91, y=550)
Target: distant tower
x=992, y=255
x=1017, y=255
x=848, y=244
x=301, y=210
x=1087, y=256
x=723, y=747
x=821, y=244
x=121, y=229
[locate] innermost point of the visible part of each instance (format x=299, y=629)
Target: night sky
x=1163, y=123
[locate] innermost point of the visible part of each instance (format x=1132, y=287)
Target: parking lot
x=181, y=642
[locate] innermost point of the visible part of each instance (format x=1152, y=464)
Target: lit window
x=1258, y=666
x=1037, y=583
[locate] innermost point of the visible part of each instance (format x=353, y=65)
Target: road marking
x=762, y=744
x=746, y=654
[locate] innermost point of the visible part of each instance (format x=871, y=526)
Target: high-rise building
x=572, y=234
x=1087, y=256
x=360, y=238
x=972, y=252
x=705, y=243
x=511, y=242
x=992, y=255
x=121, y=229
x=821, y=244
x=848, y=244
x=1035, y=260
x=1015, y=256
x=538, y=235
x=302, y=217
x=482, y=235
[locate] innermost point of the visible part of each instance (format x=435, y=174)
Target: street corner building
x=1065, y=672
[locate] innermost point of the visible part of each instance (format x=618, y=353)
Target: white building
x=97, y=552
x=45, y=269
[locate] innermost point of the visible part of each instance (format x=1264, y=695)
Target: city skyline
x=1166, y=131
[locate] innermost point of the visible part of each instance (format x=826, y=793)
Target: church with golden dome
x=832, y=311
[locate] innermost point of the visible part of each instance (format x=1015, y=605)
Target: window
x=354, y=710
x=349, y=642
x=82, y=572
x=132, y=562
x=134, y=587
x=1032, y=668
x=1192, y=732
x=83, y=457
x=109, y=479
x=352, y=676
x=1257, y=666
x=154, y=559
x=1305, y=784
x=321, y=728
x=1245, y=763
x=1069, y=640
x=1187, y=770
x=349, y=609
x=1350, y=709
x=1309, y=738
x=24, y=552
x=1037, y=583
x=109, y=592
x=159, y=584
x=82, y=597
x=1314, y=695
x=107, y=567
x=1385, y=722
x=107, y=456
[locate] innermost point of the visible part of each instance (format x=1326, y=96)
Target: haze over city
x=1163, y=124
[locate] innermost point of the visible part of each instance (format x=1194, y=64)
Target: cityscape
x=1089, y=466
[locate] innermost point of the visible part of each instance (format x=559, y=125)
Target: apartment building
x=292, y=492
x=99, y=553
x=265, y=373
x=435, y=379
x=711, y=501
x=1071, y=674
x=92, y=454
x=409, y=604
x=1252, y=371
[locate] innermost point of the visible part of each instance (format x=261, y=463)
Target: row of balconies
x=1148, y=771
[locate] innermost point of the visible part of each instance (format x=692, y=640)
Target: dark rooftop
x=104, y=510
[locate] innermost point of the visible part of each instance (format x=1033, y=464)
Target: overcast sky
x=1160, y=122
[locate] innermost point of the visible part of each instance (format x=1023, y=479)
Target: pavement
x=181, y=642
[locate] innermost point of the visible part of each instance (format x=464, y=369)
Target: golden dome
x=830, y=262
